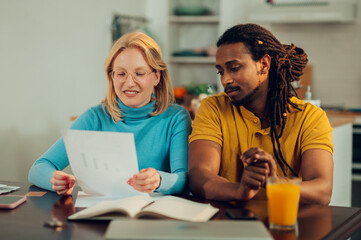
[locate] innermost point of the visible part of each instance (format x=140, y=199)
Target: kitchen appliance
x=356, y=163
x=356, y=150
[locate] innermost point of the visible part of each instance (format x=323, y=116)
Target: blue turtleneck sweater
x=161, y=142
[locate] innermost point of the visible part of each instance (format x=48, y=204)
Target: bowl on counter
x=191, y=11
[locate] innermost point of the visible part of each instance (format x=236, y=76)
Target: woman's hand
x=147, y=180
x=63, y=183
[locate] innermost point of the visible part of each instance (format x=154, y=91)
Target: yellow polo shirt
x=236, y=129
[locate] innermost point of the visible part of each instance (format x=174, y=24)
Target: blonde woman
x=139, y=100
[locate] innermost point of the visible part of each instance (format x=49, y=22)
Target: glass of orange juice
x=283, y=194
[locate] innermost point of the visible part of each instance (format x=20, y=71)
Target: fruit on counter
x=179, y=92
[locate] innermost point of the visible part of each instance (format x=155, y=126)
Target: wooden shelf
x=194, y=19
x=208, y=60
x=187, y=32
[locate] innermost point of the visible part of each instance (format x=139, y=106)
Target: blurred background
x=52, y=57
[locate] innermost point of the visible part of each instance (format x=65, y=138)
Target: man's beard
x=244, y=101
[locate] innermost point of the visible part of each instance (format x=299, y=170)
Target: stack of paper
x=6, y=189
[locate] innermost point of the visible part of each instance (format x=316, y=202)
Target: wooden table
x=27, y=221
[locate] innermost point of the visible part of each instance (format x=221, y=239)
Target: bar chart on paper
x=94, y=163
x=102, y=162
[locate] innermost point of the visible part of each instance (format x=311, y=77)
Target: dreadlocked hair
x=287, y=64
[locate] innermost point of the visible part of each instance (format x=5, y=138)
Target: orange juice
x=283, y=197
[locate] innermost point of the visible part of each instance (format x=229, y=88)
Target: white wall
x=52, y=55
x=334, y=51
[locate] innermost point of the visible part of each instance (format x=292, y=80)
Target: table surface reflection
x=27, y=220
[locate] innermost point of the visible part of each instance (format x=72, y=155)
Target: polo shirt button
x=255, y=121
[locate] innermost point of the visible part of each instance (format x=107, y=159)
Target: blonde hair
x=163, y=92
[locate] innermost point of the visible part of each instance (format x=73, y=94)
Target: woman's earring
x=155, y=82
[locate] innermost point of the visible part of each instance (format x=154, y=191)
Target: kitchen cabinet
x=191, y=42
x=342, y=159
x=342, y=168
x=346, y=177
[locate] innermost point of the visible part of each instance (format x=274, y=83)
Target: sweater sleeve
x=176, y=181
x=55, y=158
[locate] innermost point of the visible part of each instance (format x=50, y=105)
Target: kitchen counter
x=338, y=118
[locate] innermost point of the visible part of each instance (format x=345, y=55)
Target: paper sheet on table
x=87, y=200
x=102, y=162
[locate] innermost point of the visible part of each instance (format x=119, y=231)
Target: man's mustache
x=231, y=88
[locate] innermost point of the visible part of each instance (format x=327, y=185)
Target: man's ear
x=156, y=78
x=265, y=64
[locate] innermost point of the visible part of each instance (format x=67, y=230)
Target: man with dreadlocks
x=258, y=127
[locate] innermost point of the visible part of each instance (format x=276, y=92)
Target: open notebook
x=170, y=207
x=172, y=229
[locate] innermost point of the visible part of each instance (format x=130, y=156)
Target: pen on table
x=148, y=204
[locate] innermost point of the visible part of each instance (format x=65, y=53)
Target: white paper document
x=87, y=200
x=5, y=188
x=102, y=162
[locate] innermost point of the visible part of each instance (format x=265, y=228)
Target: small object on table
x=241, y=214
x=11, y=201
x=53, y=223
x=5, y=189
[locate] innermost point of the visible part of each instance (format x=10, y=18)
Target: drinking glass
x=283, y=194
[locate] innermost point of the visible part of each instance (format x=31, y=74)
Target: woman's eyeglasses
x=138, y=76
